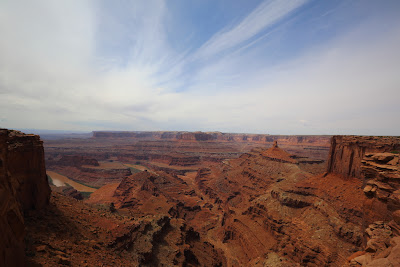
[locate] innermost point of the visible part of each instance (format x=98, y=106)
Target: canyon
x=200, y=199
x=112, y=156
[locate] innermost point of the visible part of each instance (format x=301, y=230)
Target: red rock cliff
x=375, y=161
x=347, y=152
x=23, y=186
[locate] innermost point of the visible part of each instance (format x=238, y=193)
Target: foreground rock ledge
x=23, y=186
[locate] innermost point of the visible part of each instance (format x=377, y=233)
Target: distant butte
x=277, y=154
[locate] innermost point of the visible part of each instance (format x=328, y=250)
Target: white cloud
x=55, y=75
x=264, y=16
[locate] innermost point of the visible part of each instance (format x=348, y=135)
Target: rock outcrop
x=382, y=248
x=347, y=152
x=269, y=204
x=23, y=186
x=162, y=241
x=166, y=211
x=375, y=162
x=276, y=154
x=381, y=174
x=138, y=190
x=71, y=192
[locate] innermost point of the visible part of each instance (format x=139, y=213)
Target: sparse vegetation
x=50, y=180
x=112, y=207
x=86, y=195
x=91, y=186
x=134, y=170
x=395, y=152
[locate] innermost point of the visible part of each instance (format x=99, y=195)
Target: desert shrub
x=134, y=170
x=86, y=195
x=50, y=180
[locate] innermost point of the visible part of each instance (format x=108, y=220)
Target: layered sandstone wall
x=381, y=172
x=23, y=186
x=374, y=160
x=347, y=152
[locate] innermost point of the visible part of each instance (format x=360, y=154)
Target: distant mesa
x=311, y=140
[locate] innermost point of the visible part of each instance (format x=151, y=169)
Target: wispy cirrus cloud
x=282, y=67
x=265, y=15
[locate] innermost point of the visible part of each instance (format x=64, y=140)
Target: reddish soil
x=212, y=199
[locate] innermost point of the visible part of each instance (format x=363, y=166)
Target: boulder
x=383, y=157
x=380, y=263
x=394, y=256
x=376, y=245
x=361, y=260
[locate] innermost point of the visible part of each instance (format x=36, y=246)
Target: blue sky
x=278, y=67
